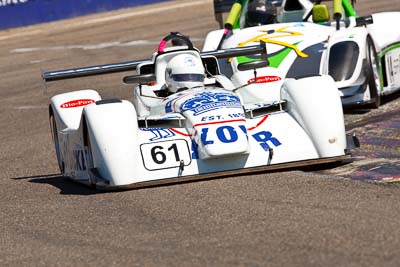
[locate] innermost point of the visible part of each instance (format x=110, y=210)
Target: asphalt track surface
x=290, y=218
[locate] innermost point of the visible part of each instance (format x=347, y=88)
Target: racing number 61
x=165, y=154
x=159, y=156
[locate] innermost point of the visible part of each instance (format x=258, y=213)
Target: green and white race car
x=362, y=54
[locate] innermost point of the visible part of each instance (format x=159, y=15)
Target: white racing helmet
x=184, y=71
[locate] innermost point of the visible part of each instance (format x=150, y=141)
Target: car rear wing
x=80, y=72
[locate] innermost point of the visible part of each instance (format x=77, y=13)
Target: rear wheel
x=373, y=81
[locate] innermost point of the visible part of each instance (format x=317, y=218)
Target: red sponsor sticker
x=77, y=103
x=265, y=79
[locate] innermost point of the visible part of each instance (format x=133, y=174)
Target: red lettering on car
x=77, y=103
x=265, y=79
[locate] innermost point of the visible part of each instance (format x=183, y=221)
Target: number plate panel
x=393, y=67
x=165, y=154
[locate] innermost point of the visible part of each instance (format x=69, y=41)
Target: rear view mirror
x=140, y=79
x=251, y=65
x=363, y=21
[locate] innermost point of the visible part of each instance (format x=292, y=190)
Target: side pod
x=315, y=104
x=112, y=131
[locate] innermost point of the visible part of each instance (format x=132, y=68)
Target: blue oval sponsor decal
x=207, y=101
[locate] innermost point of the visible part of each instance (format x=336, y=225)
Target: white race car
x=362, y=54
x=205, y=131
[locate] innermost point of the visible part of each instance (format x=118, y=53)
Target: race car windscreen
x=258, y=18
x=343, y=60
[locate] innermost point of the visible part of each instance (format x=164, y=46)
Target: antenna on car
x=247, y=84
x=337, y=12
x=230, y=22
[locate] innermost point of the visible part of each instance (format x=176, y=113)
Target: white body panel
x=382, y=30
x=321, y=120
x=200, y=131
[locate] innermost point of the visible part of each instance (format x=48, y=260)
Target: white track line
x=91, y=46
x=83, y=47
x=30, y=107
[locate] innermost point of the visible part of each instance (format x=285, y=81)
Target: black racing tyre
x=373, y=81
x=54, y=132
x=89, y=154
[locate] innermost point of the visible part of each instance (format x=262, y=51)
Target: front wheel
x=89, y=154
x=54, y=132
x=373, y=81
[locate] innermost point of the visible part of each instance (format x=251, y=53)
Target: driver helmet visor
x=187, y=77
x=259, y=18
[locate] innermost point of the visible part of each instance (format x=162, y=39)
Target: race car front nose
x=222, y=140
